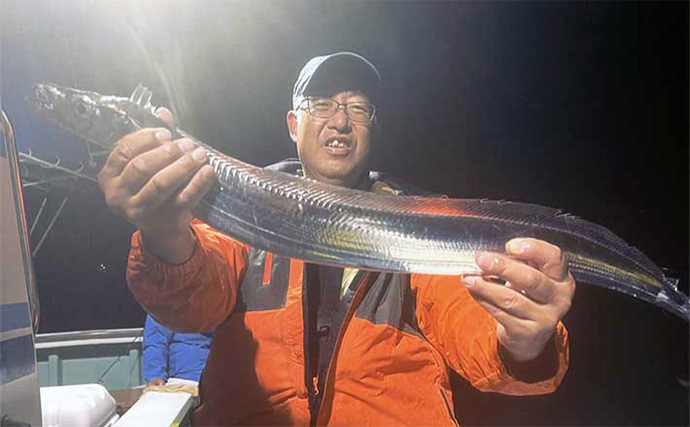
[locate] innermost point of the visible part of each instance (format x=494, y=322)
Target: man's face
x=339, y=163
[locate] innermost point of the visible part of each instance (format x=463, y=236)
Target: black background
x=577, y=105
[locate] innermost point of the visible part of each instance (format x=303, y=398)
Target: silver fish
x=301, y=218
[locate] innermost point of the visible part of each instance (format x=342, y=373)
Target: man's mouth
x=338, y=146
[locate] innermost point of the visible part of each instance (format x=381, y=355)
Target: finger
x=518, y=275
x=137, y=172
x=500, y=301
x=130, y=146
x=546, y=257
x=165, y=115
x=513, y=325
x=167, y=181
x=201, y=182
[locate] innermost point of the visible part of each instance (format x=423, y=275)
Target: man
x=301, y=344
x=173, y=357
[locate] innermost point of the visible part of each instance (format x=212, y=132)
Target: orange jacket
x=389, y=367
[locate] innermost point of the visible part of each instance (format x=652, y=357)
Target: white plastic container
x=157, y=409
x=87, y=405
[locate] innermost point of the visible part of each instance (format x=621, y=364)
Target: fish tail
x=658, y=289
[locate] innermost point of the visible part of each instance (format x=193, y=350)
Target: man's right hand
x=156, y=382
x=154, y=182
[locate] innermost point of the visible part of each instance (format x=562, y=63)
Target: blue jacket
x=170, y=354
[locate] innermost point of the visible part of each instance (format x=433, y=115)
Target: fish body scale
x=301, y=218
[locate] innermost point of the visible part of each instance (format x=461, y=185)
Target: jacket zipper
x=309, y=382
x=448, y=408
x=315, y=381
x=361, y=288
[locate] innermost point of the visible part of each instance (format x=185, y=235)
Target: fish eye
x=82, y=107
x=82, y=110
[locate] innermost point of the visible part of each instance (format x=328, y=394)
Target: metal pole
x=38, y=215
x=50, y=226
x=11, y=147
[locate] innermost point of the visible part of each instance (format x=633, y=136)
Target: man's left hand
x=538, y=292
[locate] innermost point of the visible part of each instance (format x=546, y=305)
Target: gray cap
x=329, y=74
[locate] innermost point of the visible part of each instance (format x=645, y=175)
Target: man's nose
x=340, y=119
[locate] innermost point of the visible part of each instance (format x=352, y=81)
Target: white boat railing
x=91, y=337
x=111, y=357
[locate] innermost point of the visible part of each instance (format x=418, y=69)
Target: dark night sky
x=577, y=105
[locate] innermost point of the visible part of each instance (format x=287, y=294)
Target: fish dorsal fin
x=135, y=94
x=141, y=96
x=515, y=213
x=560, y=220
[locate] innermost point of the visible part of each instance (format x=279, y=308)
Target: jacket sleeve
x=195, y=296
x=156, y=350
x=465, y=334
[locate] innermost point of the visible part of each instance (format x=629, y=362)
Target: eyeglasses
x=325, y=108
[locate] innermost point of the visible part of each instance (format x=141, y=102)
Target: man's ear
x=292, y=124
x=375, y=129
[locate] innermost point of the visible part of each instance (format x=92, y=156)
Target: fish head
x=99, y=119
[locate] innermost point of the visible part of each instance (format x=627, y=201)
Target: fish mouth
x=41, y=98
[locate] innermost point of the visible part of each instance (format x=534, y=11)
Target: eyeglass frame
x=308, y=99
